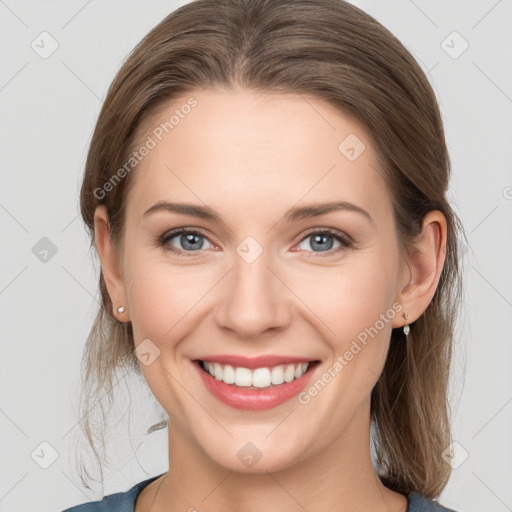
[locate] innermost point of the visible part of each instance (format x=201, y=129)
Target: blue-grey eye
x=190, y=241
x=320, y=242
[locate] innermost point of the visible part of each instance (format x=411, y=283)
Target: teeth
x=277, y=375
x=217, y=371
x=259, y=377
x=243, y=377
x=300, y=370
x=228, y=374
x=289, y=373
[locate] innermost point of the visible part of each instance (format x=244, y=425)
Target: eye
x=317, y=242
x=323, y=241
x=188, y=241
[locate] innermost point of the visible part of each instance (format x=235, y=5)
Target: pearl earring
x=407, y=329
x=120, y=309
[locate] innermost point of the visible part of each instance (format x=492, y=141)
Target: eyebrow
x=292, y=215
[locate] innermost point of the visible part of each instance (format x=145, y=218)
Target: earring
x=120, y=309
x=407, y=329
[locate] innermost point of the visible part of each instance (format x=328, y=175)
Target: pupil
x=321, y=240
x=190, y=239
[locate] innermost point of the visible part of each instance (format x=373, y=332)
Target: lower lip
x=253, y=399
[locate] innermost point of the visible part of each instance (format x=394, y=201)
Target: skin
x=251, y=157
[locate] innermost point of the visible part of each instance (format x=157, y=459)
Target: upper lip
x=255, y=362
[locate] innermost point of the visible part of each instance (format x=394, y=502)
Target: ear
x=110, y=263
x=425, y=261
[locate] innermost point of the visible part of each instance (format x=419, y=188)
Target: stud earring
x=407, y=329
x=120, y=309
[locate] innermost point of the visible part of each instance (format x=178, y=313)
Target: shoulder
x=118, y=502
x=418, y=503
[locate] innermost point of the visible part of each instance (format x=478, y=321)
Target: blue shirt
x=125, y=501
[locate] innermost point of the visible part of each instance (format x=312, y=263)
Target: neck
x=340, y=476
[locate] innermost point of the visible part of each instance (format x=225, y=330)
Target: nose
x=253, y=299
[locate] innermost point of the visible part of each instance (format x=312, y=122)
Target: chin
x=261, y=455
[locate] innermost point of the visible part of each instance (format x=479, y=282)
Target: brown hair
x=336, y=52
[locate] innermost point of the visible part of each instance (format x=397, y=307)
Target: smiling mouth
x=265, y=377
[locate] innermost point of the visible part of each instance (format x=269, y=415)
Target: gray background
x=48, y=107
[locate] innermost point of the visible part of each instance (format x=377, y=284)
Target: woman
x=266, y=190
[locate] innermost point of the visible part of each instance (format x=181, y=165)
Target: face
x=262, y=277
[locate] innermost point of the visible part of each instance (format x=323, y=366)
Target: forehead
x=253, y=149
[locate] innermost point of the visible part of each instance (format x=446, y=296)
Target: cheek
x=154, y=305
x=163, y=300
x=349, y=298
x=163, y=297
x=354, y=309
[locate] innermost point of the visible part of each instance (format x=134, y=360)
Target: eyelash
x=346, y=243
